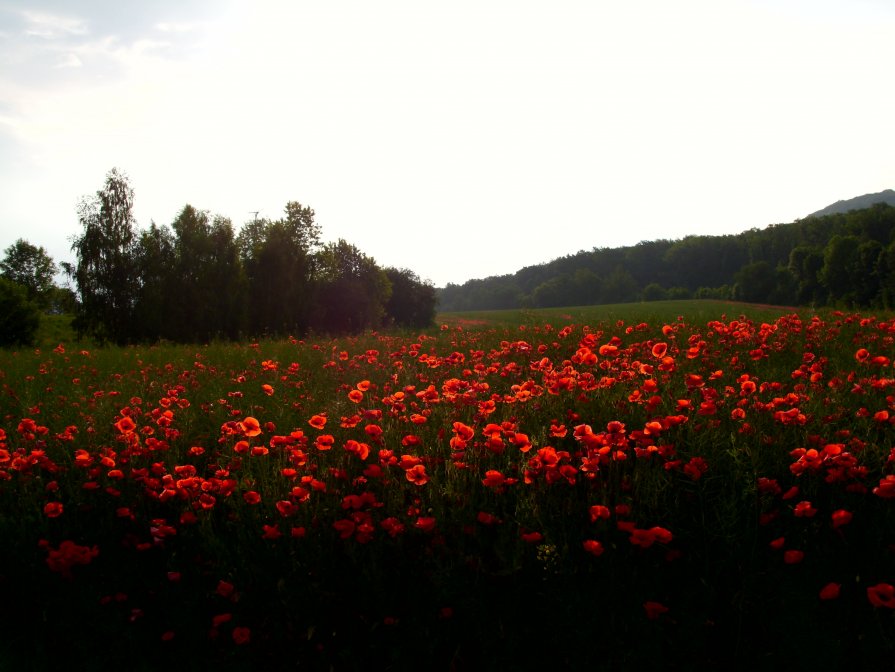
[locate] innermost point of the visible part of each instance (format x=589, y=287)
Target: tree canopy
x=198, y=280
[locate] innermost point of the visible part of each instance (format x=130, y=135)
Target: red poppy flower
x=793, y=557
x=654, y=609
x=841, y=517
x=53, y=509
x=219, y=619
x=593, y=547
x=886, y=488
x=597, y=512
x=271, y=532
x=882, y=595
x=324, y=442
x=830, y=591
x=317, y=421
x=225, y=588
x=425, y=523
x=242, y=635
x=250, y=426
x=125, y=425
x=417, y=475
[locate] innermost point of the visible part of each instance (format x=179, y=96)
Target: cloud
x=70, y=61
x=175, y=27
x=52, y=26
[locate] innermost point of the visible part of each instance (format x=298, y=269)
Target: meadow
x=674, y=485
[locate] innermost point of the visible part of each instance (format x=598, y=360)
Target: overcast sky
x=458, y=139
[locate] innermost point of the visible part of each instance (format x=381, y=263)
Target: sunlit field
x=674, y=485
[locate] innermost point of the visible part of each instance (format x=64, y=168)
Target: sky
x=460, y=139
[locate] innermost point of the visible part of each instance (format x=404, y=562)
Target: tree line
x=198, y=280
x=843, y=259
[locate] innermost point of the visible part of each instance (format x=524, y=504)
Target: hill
x=857, y=203
x=844, y=259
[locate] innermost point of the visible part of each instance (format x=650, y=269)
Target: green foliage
x=19, y=317
x=351, y=290
x=31, y=267
x=107, y=274
x=754, y=282
x=278, y=257
x=654, y=292
x=782, y=264
x=412, y=302
x=197, y=281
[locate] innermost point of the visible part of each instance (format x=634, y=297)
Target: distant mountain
x=857, y=203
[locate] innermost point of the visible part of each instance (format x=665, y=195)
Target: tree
x=19, y=317
x=279, y=257
x=31, y=267
x=754, y=282
x=352, y=290
x=805, y=264
x=106, y=272
x=654, y=292
x=207, y=278
x=412, y=302
x=155, y=261
x=841, y=273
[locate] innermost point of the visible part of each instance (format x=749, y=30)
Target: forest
x=197, y=280
x=843, y=260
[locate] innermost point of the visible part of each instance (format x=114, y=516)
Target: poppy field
x=552, y=489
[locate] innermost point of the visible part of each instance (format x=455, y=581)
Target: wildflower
x=597, y=512
x=286, y=507
x=425, y=523
x=886, y=488
x=417, y=475
x=251, y=497
x=593, y=547
x=487, y=519
x=68, y=554
x=317, y=421
x=804, y=509
x=53, y=509
x=882, y=595
x=840, y=517
x=271, y=532
x=654, y=609
x=793, y=557
x=126, y=425
x=267, y=389
x=494, y=479
x=250, y=426
x=362, y=450
x=830, y=591
x=219, y=619
x=345, y=527
x=242, y=635
x=324, y=442
x=225, y=589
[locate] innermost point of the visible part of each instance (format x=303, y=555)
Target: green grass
x=654, y=312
